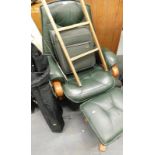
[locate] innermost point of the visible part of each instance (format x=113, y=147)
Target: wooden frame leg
x=85, y=120
x=102, y=147
x=115, y=70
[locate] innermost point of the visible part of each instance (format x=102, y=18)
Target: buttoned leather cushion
x=104, y=114
x=94, y=81
x=77, y=41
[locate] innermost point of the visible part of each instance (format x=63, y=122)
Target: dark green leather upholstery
x=55, y=72
x=77, y=41
x=99, y=96
x=67, y=13
x=70, y=14
x=120, y=66
x=46, y=27
x=110, y=57
x=105, y=115
x=94, y=81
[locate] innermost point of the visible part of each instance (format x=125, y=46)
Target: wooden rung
x=72, y=26
x=84, y=54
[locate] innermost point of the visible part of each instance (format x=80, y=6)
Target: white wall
x=36, y=37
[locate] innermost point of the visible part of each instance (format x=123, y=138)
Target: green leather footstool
x=104, y=114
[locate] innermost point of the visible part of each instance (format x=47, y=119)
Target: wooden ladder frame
x=64, y=49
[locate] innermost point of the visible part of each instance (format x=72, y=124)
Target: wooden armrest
x=58, y=88
x=115, y=70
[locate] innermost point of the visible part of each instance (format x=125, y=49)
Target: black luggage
x=33, y=104
x=42, y=92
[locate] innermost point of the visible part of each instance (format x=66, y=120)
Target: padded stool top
x=105, y=115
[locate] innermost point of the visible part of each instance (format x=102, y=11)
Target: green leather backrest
x=77, y=41
x=64, y=13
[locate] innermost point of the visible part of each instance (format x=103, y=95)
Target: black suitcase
x=33, y=104
x=42, y=93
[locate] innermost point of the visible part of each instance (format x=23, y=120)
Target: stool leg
x=102, y=147
x=85, y=120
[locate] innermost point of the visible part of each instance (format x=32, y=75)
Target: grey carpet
x=76, y=139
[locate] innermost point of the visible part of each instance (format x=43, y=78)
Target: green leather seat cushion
x=94, y=81
x=104, y=114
